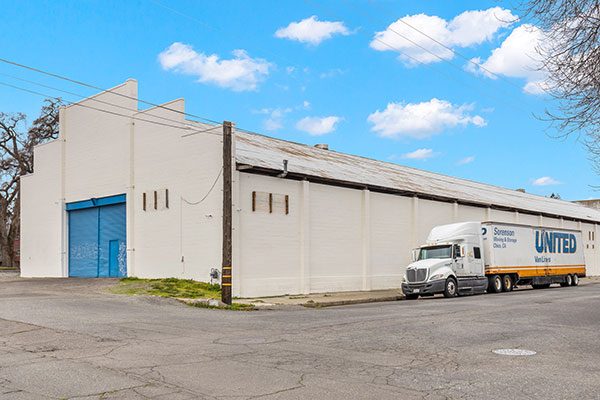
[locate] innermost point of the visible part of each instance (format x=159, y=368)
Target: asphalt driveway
x=62, y=338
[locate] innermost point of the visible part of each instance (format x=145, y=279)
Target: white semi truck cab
x=475, y=257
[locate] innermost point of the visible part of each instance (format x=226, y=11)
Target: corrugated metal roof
x=267, y=152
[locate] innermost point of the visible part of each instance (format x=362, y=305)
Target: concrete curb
x=316, y=304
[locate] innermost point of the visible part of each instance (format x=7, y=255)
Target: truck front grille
x=416, y=275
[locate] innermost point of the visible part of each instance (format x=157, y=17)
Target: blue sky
x=336, y=72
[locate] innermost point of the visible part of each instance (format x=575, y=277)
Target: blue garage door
x=97, y=238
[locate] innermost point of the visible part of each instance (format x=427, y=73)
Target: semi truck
x=493, y=257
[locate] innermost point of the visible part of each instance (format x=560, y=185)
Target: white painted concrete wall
x=100, y=154
x=344, y=239
x=42, y=215
x=183, y=241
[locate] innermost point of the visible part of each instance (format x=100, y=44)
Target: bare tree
x=16, y=159
x=571, y=57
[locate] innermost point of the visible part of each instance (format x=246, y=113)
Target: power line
x=503, y=78
x=453, y=51
x=218, y=124
x=92, y=99
x=62, y=77
x=105, y=111
x=439, y=71
x=450, y=76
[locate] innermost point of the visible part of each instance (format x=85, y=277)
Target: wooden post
x=227, y=217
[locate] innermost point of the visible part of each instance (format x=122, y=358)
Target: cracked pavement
x=67, y=339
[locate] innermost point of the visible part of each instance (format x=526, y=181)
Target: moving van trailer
x=493, y=257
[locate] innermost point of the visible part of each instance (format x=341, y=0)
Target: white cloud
x=239, y=73
x=317, y=126
x=306, y=105
x=420, y=154
x=331, y=73
x=517, y=57
x=312, y=31
x=274, y=121
x=421, y=120
x=545, y=181
x=466, y=160
x=464, y=30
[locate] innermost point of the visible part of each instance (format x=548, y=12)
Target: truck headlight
x=436, y=276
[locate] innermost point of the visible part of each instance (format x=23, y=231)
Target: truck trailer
x=493, y=257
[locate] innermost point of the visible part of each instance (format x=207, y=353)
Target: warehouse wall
x=41, y=214
x=267, y=254
x=96, y=157
x=391, y=238
x=182, y=240
x=339, y=239
x=100, y=154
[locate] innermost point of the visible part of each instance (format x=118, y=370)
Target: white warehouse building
x=124, y=192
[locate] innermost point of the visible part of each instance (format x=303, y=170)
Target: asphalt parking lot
x=66, y=339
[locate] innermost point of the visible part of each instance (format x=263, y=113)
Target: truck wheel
x=575, y=281
x=411, y=296
x=507, y=283
x=495, y=284
x=568, y=281
x=451, y=289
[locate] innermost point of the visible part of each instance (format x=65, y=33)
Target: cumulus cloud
x=517, y=57
x=422, y=120
x=331, y=73
x=239, y=73
x=420, y=154
x=275, y=116
x=466, y=160
x=545, y=181
x=312, y=31
x=317, y=126
x=466, y=29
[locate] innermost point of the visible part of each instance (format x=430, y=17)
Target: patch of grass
x=168, y=287
x=8, y=268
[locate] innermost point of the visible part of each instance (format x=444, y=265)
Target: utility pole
x=227, y=209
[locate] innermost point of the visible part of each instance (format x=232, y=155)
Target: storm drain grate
x=514, y=352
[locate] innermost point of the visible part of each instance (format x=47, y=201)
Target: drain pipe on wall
x=285, y=170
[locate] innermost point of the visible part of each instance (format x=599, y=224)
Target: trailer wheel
x=495, y=284
x=575, y=280
x=411, y=296
x=451, y=289
x=507, y=283
x=568, y=280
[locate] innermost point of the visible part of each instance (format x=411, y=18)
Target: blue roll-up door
x=83, y=243
x=97, y=238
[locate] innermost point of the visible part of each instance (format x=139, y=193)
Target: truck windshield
x=435, y=252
